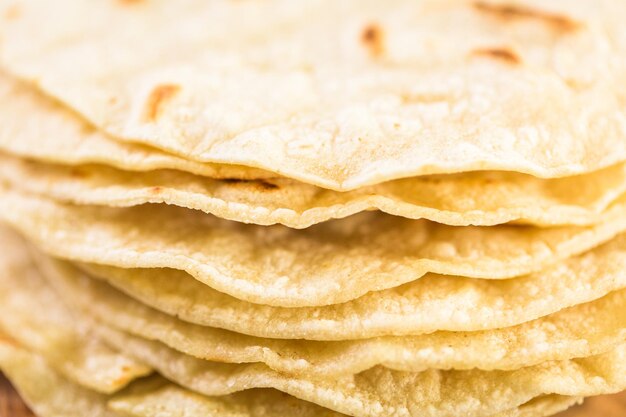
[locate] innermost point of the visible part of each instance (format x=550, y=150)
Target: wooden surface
x=10, y=403
x=605, y=406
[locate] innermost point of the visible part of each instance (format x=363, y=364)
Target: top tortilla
x=339, y=94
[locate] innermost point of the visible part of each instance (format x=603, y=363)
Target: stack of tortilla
x=277, y=208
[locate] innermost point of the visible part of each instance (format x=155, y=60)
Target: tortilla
x=471, y=198
x=31, y=313
x=329, y=263
x=482, y=198
x=46, y=391
x=162, y=399
x=562, y=335
x=51, y=395
x=341, y=95
x=170, y=400
x=69, y=360
x=545, y=405
x=27, y=117
x=435, y=302
x=383, y=392
x=289, y=115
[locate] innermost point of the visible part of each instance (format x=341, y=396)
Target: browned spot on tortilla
x=157, y=97
x=12, y=12
x=156, y=190
x=262, y=184
x=502, y=54
x=78, y=173
x=373, y=38
x=130, y=1
x=512, y=11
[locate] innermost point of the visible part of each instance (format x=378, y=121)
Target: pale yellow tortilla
x=158, y=398
x=329, y=263
x=435, y=302
x=34, y=315
x=545, y=405
x=49, y=394
x=470, y=198
x=478, y=198
x=172, y=401
x=339, y=94
x=383, y=392
x=33, y=125
x=58, y=361
x=430, y=386
x=580, y=331
x=46, y=391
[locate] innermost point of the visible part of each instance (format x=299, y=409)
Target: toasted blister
x=329, y=263
x=435, y=302
x=339, y=94
x=33, y=314
x=380, y=391
x=49, y=394
x=579, y=331
x=27, y=117
x=477, y=198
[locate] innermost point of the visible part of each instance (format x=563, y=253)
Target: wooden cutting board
x=605, y=406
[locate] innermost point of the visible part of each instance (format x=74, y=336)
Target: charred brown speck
x=503, y=54
x=373, y=38
x=157, y=97
x=513, y=12
x=263, y=184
